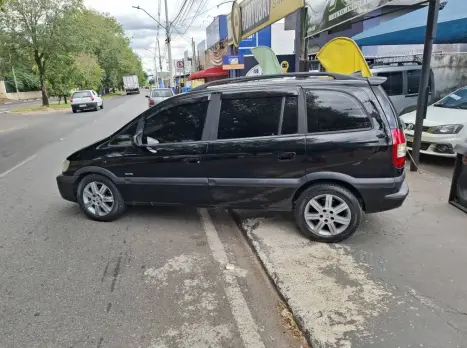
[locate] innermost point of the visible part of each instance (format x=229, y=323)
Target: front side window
x=394, y=83
x=249, y=117
x=334, y=111
x=178, y=124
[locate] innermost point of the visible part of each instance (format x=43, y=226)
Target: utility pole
x=169, y=45
x=422, y=103
x=14, y=75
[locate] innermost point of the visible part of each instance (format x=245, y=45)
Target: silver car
x=156, y=95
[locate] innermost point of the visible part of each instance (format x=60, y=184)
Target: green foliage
x=59, y=45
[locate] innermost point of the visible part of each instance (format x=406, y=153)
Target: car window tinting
x=82, y=94
x=334, y=111
x=182, y=123
x=290, y=119
x=394, y=83
x=249, y=118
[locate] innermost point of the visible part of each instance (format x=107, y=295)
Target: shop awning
x=210, y=72
x=410, y=28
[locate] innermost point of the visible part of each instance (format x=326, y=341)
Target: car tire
x=74, y=111
x=96, y=191
x=102, y=105
x=316, y=215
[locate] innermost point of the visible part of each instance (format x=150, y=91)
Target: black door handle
x=286, y=156
x=192, y=160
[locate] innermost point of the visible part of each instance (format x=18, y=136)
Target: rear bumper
x=88, y=106
x=67, y=187
x=380, y=197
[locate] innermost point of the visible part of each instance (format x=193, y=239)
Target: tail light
x=92, y=98
x=71, y=100
x=151, y=102
x=399, y=148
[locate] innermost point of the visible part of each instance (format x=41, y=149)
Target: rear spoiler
x=373, y=81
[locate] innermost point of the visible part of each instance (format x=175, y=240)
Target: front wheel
x=328, y=213
x=99, y=198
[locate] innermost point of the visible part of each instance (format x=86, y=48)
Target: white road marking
x=242, y=315
x=17, y=166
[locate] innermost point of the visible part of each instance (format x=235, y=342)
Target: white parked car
x=445, y=125
x=86, y=100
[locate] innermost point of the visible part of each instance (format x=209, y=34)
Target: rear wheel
x=328, y=213
x=99, y=198
x=102, y=105
x=74, y=111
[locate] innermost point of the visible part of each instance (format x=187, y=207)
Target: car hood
x=89, y=152
x=436, y=116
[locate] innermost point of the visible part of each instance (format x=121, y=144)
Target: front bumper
x=67, y=187
x=435, y=144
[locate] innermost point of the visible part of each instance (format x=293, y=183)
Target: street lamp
x=168, y=37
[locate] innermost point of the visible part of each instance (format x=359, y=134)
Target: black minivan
x=325, y=146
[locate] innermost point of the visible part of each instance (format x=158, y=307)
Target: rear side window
x=334, y=111
x=249, y=117
x=413, y=81
x=84, y=94
x=181, y=123
x=394, y=84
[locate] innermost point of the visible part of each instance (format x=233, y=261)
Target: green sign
x=326, y=14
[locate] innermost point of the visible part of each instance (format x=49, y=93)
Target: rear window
x=83, y=94
x=161, y=93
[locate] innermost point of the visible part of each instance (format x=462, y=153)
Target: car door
x=255, y=159
x=167, y=168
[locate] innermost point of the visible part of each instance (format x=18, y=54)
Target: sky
x=142, y=30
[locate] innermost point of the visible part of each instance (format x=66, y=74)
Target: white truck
x=131, y=84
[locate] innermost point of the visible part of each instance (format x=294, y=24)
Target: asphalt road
x=158, y=277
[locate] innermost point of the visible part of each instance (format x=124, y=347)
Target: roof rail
x=302, y=75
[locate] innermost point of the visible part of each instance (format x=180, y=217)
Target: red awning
x=211, y=72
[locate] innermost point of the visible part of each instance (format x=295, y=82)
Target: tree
x=42, y=28
x=89, y=73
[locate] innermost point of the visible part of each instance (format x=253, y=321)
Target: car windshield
x=455, y=100
x=82, y=94
x=161, y=93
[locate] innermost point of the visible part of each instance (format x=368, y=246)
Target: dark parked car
x=325, y=148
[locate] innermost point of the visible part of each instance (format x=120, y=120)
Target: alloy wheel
x=327, y=215
x=98, y=198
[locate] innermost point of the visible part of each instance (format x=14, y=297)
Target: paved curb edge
x=255, y=244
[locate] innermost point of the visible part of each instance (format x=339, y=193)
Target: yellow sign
x=236, y=18
x=285, y=66
x=282, y=8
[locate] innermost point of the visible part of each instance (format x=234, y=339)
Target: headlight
x=65, y=165
x=447, y=129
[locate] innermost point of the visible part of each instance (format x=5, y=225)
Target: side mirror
x=146, y=96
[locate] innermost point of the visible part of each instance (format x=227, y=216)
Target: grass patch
x=52, y=106
x=110, y=95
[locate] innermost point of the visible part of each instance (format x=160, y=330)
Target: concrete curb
x=275, y=279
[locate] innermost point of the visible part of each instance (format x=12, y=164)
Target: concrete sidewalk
x=400, y=281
